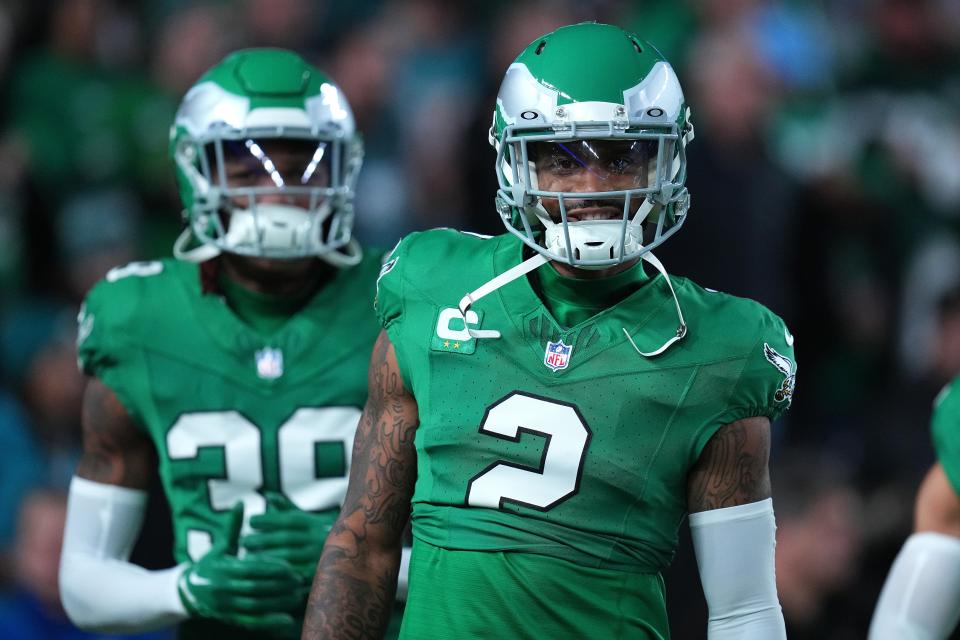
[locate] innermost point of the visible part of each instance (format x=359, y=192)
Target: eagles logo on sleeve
x=785, y=366
x=84, y=324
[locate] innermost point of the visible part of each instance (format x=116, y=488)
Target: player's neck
x=573, y=300
x=277, y=278
x=592, y=274
x=265, y=308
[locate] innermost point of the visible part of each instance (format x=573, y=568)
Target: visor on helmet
x=601, y=165
x=264, y=166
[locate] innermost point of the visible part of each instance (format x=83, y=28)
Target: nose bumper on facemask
x=592, y=240
x=273, y=227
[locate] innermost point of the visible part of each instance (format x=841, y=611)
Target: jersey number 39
x=298, y=438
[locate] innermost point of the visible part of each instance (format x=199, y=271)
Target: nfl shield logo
x=557, y=355
x=269, y=363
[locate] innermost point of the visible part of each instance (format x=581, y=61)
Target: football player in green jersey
x=551, y=429
x=921, y=596
x=206, y=369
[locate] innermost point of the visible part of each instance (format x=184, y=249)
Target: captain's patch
x=452, y=333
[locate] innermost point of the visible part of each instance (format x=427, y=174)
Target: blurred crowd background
x=825, y=182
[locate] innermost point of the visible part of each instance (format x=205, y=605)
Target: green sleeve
x=389, y=299
x=945, y=426
x=764, y=384
x=389, y=303
x=92, y=356
x=105, y=341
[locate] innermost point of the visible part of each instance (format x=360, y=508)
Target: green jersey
x=553, y=461
x=945, y=425
x=233, y=414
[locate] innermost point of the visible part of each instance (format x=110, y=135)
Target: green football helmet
x=595, y=100
x=266, y=156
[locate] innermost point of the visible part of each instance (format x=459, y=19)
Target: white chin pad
x=278, y=227
x=592, y=240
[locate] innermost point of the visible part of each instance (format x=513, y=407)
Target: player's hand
x=289, y=534
x=255, y=592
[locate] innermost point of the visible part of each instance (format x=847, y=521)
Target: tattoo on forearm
x=733, y=467
x=361, y=608
x=352, y=597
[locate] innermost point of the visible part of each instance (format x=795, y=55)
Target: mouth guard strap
x=504, y=278
x=197, y=254
x=681, y=330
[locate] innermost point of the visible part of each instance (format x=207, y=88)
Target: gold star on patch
x=446, y=344
x=456, y=345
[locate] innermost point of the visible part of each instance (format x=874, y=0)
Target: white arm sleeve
x=99, y=589
x=921, y=597
x=735, y=555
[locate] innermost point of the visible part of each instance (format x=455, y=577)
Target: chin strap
x=539, y=260
x=347, y=256
x=200, y=253
x=504, y=278
x=681, y=330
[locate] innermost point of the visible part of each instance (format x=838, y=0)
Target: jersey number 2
x=561, y=464
x=241, y=441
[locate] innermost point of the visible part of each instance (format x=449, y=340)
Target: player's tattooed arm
x=353, y=590
x=733, y=467
x=115, y=450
